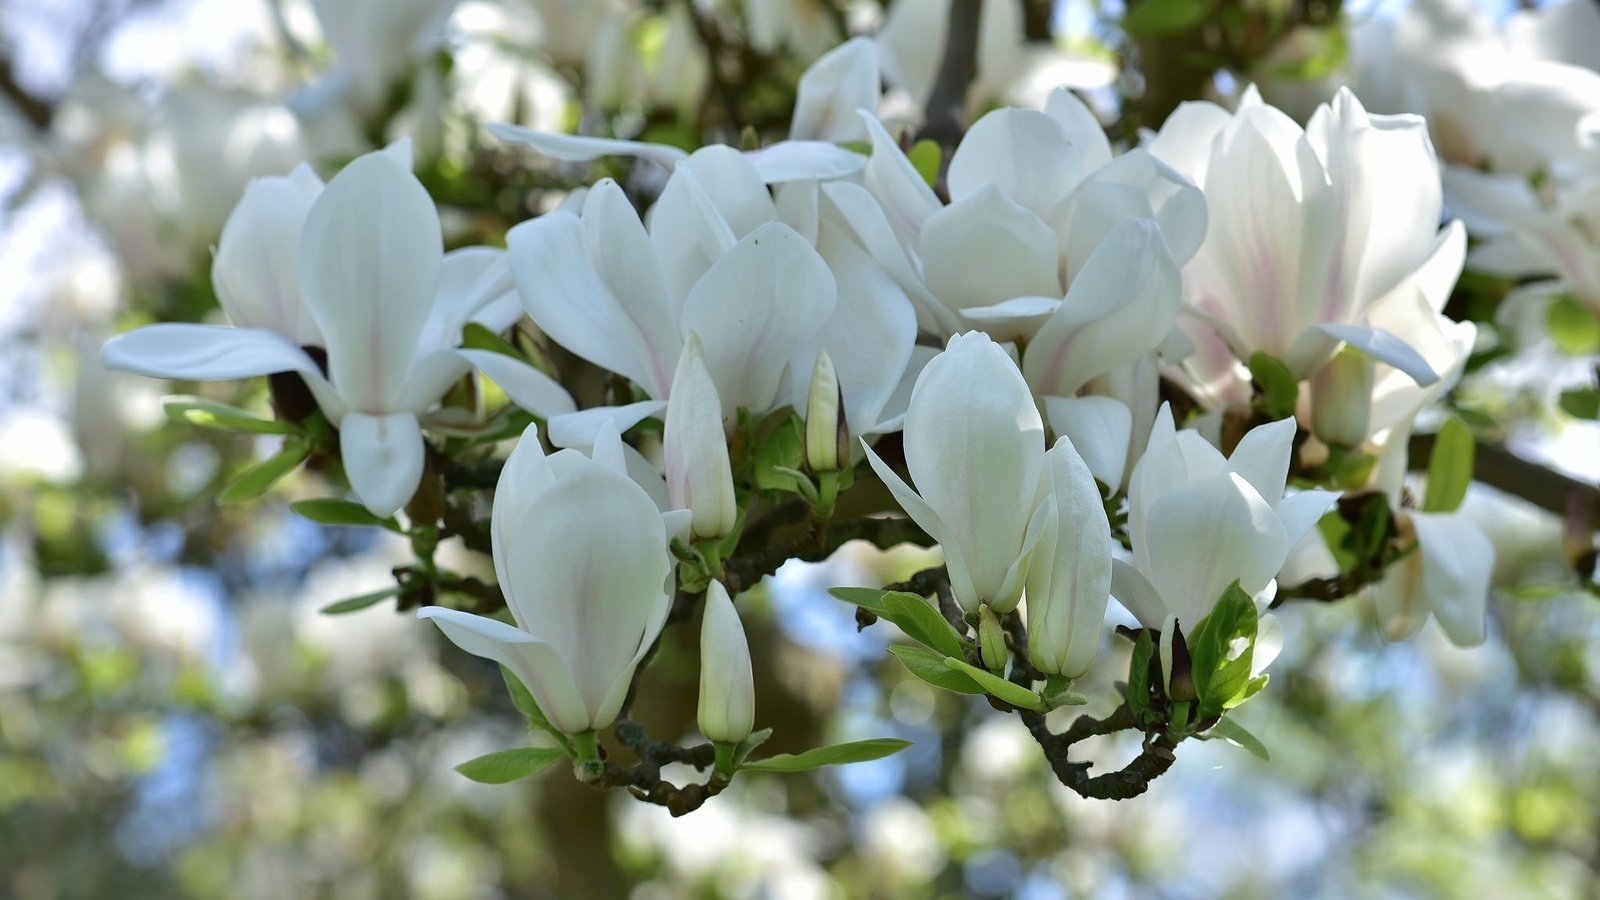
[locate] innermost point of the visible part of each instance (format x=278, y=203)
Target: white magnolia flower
x=388, y=303
x=1308, y=228
x=974, y=446
x=1034, y=195
x=1069, y=574
x=581, y=554
x=727, y=709
x=695, y=448
x=1198, y=521
x=841, y=81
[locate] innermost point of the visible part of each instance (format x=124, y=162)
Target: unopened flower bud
x=992, y=640
x=1341, y=398
x=727, y=688
x=699, y=474
x=827, y=434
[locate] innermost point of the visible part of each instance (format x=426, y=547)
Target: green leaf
x=329, y=511
x=925, y=157
x=477, y=337
x=930, y=667
x=1450, y=467
x=1158, y=17
x=869, y=599
x=1252, y=687
x=1581, y=403
x=1014, y=694
x=1572, y=326
x=749, y=744
x=351, y=604
x=1139, y=674
x=1235, y=734
x=921, y=622
x=222, y=417
x=509, y=765
x=522, y=698
x=1278, y=391
x=783, y=449
x=256, y=480
x=1217, y=678
x=834, y=755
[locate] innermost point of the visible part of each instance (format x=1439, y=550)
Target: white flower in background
x=1308, y=229
x=974, y=446
x=1551, y=234
x=1009, y=68
x=375, y=42
x=841, y=81
x=1507, y=98
x=1198, y=521
x=581, y=554
x=805, y=27
x=727, y=708
x=388, y=303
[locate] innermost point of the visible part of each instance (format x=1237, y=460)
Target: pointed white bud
x=826, y=432
x=699, y=474
x=727, y=687
x=1341, y=398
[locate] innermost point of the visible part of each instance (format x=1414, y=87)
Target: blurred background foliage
x=177, y=718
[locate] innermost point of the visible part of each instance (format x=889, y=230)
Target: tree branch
x=1498, y=467
x=945, y=114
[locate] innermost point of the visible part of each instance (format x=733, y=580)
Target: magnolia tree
x=1144, y=389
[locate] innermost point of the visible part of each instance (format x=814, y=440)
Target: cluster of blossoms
x=1084, y=374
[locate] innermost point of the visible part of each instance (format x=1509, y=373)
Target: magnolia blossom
x=974, y=446
x=727, y=708
x=1069, y=574
x=1199, y=521
x=386, y=301
x=1308, y=229
x=699, y=475
x=581, y=554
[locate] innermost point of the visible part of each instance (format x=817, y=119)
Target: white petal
x=984, y=249
x=535, y=663
x=205, y=352
x=734, y=186
x=619, y=250
x=804, y=160
x=370, y=256
x=1080, y=126
x=1137, y=595
x=688, y=232
x=857, y=209
x=580, y=429
x=1300, y=512
x=1457, y=562
x=1203, y=536
x=727, y=705
x=1100, y=428
x=256, y=270
x=1386, y=347
x=830, y=91
x=1024, y=153
x=1069, y=577
x=974, y=445
x=382, y=458
x=1262, y=457
x=753, y=308
x=470, y=279
x=527, y=387
x=907, y=200
x=569, y=302
x=928, y=520
x=1119, y=308
x=695, y=447
x=578, y=148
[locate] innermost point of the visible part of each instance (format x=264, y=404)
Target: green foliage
x=925, y=157
x=1581, y=403
x=330, y=511
x=477, y=337
x=222, y=417
x=1276, y=389
x=930, y=667
x=504, y=766
x=869, y=599
x=1012, y=693
x=351, y=604
x=1151, y=18
x=833, y=755
x=1572, y=326
x=1237, y=735
x=258, y=479
x=1450, y=467
x=921, y=622
x=1220, y=680
x=1144, y=649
